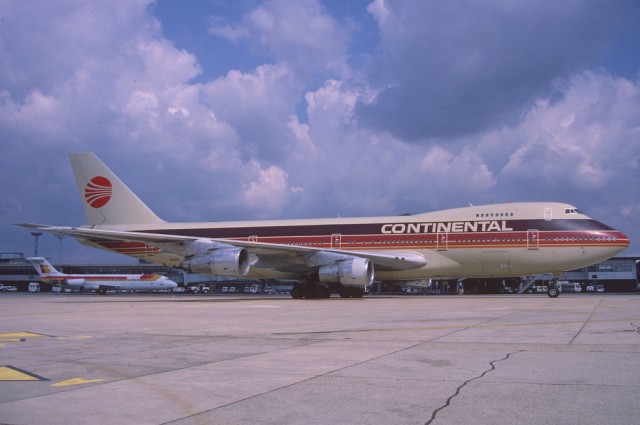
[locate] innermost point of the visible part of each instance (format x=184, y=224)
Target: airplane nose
x=626, y=240
x=621, y=241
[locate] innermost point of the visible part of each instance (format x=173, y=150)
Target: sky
x=276, y=109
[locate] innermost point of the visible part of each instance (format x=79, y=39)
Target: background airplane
x=344, y=254
x=100, y=283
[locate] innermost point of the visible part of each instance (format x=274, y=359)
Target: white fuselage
x=88, y=282
x=498, y=240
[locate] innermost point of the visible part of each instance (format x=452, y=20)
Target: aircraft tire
x=296, y=294
x=324, y=292
x=351, y=292
x=310, y=292
x=553, y=291
x=357, y=292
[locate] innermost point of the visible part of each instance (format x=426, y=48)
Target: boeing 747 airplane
x=100, y=283
x=344, y=254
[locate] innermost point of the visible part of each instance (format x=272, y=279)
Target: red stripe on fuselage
x=456, y=240
x=576, y=233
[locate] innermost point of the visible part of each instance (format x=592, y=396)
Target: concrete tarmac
x=202, y=359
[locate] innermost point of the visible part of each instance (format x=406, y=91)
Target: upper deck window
x=572, y=211
x=502, y=214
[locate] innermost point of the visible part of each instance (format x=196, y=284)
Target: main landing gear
x=553, y=291
x=311, y=290
x=351, y=291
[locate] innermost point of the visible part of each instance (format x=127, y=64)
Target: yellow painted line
x=75, y=381
x=74, y=337
x=17, y=336
x=10, y=373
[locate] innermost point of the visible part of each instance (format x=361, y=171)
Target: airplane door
x=253, y=238
x=533, y=239
x=443, y=241
x=336, y=240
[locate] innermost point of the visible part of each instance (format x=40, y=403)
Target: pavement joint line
x=586, y=321
x=429, y=328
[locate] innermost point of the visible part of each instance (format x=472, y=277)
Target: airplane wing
x=280, y=257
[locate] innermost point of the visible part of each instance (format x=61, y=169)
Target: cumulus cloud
x=458, y=103
x=449, y=69
x=463, y=173
x=262, y=98
x=586, y=140
x=269, y=192
x=301, y=34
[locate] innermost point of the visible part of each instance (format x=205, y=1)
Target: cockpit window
x=572, y=211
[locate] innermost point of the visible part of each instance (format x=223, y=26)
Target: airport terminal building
x=618, y=274
x=16, y=271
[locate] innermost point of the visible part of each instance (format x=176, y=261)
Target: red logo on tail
x=98, y=192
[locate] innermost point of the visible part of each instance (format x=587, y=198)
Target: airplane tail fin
x=43, y=267
x=106, y=199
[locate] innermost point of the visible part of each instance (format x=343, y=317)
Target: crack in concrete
x=457, y=392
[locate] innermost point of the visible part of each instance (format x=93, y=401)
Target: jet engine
x=80, y=284
x=232, y=262
x=355, y=272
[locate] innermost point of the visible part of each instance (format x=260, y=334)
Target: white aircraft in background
x=344, y=254
x=100, y=283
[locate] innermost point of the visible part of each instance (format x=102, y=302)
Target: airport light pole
x=36, y=235
x=60, y=237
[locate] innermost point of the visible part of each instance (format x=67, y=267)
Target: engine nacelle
x=356, y=272
x=80, y=284
x=232, y=262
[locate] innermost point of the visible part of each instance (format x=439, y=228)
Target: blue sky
x=225, y=110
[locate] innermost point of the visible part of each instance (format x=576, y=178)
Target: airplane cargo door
x=533, y=236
